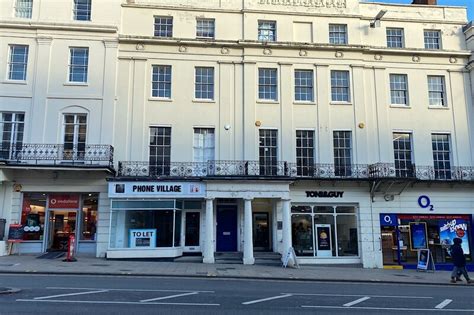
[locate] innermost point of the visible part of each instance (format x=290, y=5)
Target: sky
x=466, y=3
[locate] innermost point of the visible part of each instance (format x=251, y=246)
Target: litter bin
x=2, y=228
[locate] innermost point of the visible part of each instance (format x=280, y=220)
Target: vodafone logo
x=66, y=201
x=53, y=201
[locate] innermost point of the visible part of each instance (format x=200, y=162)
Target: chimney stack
x=425, y=2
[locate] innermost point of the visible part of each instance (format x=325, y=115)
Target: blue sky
x=467, y=3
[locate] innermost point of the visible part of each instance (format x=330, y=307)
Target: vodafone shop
x=48, y=219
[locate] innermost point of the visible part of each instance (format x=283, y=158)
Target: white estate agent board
x=157, y=189
x=142, y=238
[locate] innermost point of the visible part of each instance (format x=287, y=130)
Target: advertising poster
x=423, y=259
x=323, y=233
x=418, y=235
x=449, y=229
x=142, y=238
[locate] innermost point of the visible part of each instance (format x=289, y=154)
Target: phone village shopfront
x=402, y=235
x=48, y=219
x=155, y=219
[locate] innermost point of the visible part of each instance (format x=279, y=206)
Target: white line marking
x=267, y=299
x=169, y=297
x=443, y=304
x=358, y=295
x=386, y=308
x=68, y=294
x=365, y=298
x=129, y=290
x=116, y=302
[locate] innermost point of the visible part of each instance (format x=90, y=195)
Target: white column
x=285, y=207
x=248, y=230
x=209, y=239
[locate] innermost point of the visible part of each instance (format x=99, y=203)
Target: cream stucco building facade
x=340, y=128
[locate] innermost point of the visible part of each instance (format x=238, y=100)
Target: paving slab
x=99, y=266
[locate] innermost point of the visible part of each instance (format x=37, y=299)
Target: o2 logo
x=425, y=202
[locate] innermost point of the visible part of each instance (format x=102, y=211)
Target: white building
x=57, y=93
x=259, y=125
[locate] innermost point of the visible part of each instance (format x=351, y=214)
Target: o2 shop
x=404, y=234
x=155, y=219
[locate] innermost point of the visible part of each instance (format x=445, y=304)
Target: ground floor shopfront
x=51, y=206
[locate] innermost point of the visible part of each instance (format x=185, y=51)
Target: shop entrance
x=62, y=224
x=261, y=231
x=226, y=232
x=192, y=229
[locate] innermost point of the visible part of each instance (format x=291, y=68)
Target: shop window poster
x=454, y=228
x=418, y=234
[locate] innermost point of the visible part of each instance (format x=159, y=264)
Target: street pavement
x=97, y=266
x=142, y=295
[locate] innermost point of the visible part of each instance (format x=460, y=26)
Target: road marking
x=386, y=308
x=267, y=299
x=68, y=294
x=169, y=297
x=359, y=295
x=365, y=298
x=117, y=302
x=443, y=304
x=129, y=290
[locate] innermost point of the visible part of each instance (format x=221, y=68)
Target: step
x=228, y=258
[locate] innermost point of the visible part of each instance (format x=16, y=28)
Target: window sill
x=304, y=103
x=19, y=82
x=198, y=100
x=439, y=107
x=400, y=106
x=267, y=102
x=160, y=99
x=75, y=84
x=340, y=103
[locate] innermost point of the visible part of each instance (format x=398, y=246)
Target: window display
x=325, y=230
x=33, y=216
x=89, y=217
x=404, y=234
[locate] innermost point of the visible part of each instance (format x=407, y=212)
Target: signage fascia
x=157, y=189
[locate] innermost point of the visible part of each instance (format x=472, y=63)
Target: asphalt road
x=45, y=294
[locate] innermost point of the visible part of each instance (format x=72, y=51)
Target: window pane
x=304, y=85
x=268, y=152
x=305, y=152
x=340, y=86
x=18, y=62
x=160, y=150
x=402, y=149
x=163, y=26
x=204, y=83
x=441, y=155
x=78, y=64
x=23, y=8
x=205, y=28
x=395, y=38
x=161, y=81
x=267, y=31
x=342, y=153
x=268, y=84
x=302, y=234
x=338, y=34
x=347, y=236
x=432, y=39
x=82, y=10
x=436, y=90
x=399, y=89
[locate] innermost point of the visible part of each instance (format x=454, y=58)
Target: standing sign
x=15, y=233
x=142, y=238
x=324, y=244
x=418, y=235
x=290, y=255
x=425, y=260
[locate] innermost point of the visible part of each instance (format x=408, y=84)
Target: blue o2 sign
x=425, y=202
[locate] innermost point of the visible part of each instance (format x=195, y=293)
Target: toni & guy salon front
x=155, y=219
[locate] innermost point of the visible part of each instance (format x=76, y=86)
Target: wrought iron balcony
x=292, y=170
x=88, y=155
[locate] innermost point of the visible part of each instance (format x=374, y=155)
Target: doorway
x=192, y=224
x=62, y=224
x=226, y=232
x=261, y=231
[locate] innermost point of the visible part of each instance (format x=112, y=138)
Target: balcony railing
x=58, y=154
x=292, y=170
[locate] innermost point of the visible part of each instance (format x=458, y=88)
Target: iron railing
x=58, y=154
x=292, y=170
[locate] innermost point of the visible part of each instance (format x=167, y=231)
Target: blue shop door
x=226, y=229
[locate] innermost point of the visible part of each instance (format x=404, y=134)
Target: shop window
x=325, y=231
x=33, y=216
x=302, y=234
x=145, y=229
x=89, y=217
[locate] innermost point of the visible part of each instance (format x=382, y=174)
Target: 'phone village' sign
x=324, y=194
x=156, y=189
x=308, y=3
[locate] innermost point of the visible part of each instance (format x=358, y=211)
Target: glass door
x=192, y=230
x=261, y=231
x=62, y=224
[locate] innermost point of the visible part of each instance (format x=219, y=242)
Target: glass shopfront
x=48, y=219
x=151, y=224
x=404, y=234
x=325, y=230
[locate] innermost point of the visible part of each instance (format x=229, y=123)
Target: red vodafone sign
x=64, y=201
